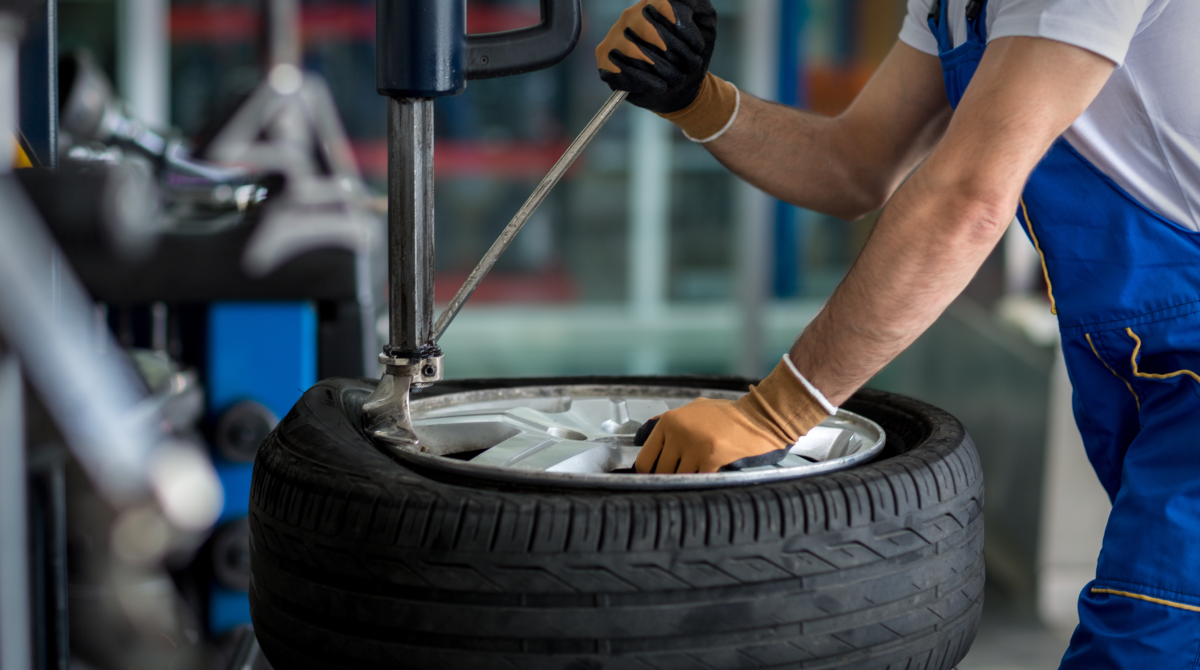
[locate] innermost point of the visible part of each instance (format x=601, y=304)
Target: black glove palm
x=671, y=80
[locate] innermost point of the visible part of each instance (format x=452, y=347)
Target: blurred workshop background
x=650, y=257
x=655, y=278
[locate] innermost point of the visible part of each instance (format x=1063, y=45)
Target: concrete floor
x=1012, y=638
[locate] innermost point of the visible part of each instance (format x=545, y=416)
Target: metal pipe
x=410, y=356
x=11, y=28
x=38, y=98
x=144, y=59
x=15, y=632
x=94, y=400
x=649, y=214
x=46, y=466
x=282, y=33
x=410, y=226
x=510, y=231
x=649, y=236
x=755, y=209
x=158, y=327
x=58, y=653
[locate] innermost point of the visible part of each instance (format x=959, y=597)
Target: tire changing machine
x=423, y=53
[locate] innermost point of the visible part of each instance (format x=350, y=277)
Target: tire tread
x=877, y=567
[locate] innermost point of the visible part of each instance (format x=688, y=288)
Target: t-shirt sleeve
x=1105, y=27
x=915, y=30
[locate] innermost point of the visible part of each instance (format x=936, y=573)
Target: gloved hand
x=708, y=435
x=659, y=51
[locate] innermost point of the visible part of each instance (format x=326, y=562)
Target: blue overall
x=1125, y=283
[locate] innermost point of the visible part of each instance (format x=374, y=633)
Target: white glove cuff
x=825, y=404
x=737, y=105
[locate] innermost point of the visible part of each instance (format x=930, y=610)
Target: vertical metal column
x=788, y=218
x=15, y=634
x=39, y=85
x=10, y=35
x=410, y=227
x=144, y=59
x=420, y=47
x=54, y=484
x=649, y=213
x=756, y=210
x=411, y=357
x=649, y=234
x=420, y=54
x=48, y=544
x=282, y=28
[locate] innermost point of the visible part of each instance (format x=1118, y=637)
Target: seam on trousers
x=1107, y=356
x=1036, y=245
x=1150, y=599
x=1110, y=356
x=1137, y=347
x=1110, y=369
x=1141, y=587
x=1190, y=307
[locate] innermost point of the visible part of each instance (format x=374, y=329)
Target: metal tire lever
x=410, y=35
x=535, y=199
x=386, y=413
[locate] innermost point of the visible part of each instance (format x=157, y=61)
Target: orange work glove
x=659, y=51
x=759, y=428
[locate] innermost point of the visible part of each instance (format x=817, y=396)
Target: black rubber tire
x=359, y=562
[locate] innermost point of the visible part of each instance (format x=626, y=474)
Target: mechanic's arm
x=944, y=221
x=930, y=240
x=659, y=51
x=850, y=164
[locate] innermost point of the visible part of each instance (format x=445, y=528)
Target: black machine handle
x=527, y=49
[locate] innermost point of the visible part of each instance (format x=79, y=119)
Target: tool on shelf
x=423, y=53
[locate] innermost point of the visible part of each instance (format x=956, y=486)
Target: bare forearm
x=795, y=156
x=924, y=251
x=850, y=164
x=941, y=225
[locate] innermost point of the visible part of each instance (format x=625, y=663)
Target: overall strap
x=977, y=20
x=939, y=25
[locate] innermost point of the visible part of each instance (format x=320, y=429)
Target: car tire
x=360, y=562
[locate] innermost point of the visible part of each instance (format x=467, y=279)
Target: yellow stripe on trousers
x=1138, y=596
x=1137, y=347
x=1105, y=363
x=1036, y=245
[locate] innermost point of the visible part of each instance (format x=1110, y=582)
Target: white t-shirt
x=1143, y=129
